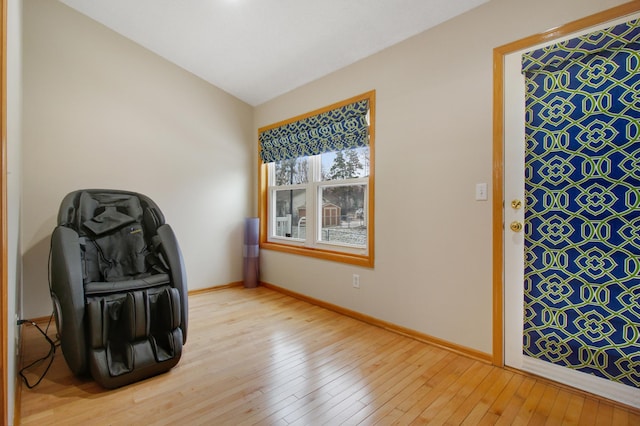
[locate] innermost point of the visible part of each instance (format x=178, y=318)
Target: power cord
x=52, y=345
x=51, y=354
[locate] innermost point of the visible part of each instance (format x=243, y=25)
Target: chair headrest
x=109, y=220
x=101, y=211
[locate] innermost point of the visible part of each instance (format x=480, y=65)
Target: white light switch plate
x=481, y=191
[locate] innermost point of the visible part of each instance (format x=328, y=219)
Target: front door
x=572, y=210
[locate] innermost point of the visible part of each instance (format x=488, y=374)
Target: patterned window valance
x=340, y=128
x=555, y=55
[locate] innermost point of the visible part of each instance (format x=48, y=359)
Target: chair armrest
x=67, y=294
x=173, y=256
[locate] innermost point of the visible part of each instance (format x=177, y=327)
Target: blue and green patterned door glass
x=582, y=197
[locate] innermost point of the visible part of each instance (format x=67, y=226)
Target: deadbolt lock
x=516, y=204
x=516, y=226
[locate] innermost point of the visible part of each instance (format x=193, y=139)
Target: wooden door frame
x=499, y=53
x=4, y=288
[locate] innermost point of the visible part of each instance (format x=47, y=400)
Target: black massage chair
x=118, y=287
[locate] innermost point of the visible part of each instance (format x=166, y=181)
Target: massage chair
x=118, y=287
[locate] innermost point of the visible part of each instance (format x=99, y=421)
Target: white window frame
x=313, y=201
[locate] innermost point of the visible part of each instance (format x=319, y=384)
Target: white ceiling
x=259, y=49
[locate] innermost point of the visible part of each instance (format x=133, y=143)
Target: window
x=316, y=183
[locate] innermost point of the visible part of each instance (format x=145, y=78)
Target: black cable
x=52, y=344
x=52, y=353
x=46, y=330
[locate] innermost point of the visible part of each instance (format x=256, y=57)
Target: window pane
x=292, y=172
x=345, y=164
x=344, y=215
x=290, y=213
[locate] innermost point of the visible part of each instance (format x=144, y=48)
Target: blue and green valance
x=341, y=128
x=575, y=49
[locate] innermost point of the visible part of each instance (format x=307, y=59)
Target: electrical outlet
x=356, y=281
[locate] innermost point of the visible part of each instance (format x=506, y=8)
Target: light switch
x=481, y=192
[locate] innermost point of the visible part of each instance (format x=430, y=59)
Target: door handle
x=516, y=226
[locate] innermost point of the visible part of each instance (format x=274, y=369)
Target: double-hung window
x=316, y=183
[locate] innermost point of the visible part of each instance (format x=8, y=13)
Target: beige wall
x=102, y=112
x=433, y=269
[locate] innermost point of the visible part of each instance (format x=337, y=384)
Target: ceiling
x=257, y=50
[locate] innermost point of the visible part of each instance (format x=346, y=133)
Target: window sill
x=334, y=256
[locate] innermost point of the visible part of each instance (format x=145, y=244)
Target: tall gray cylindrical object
x=251, y=251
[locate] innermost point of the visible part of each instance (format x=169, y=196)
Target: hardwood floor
x=256, y=356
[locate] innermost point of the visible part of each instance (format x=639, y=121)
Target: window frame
x=312, y=246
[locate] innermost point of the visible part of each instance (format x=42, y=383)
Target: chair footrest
x=132, y=331
x=142, y=360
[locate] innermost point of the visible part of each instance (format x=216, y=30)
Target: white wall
x=102, y=112
x=14, y=182
x=433, y=266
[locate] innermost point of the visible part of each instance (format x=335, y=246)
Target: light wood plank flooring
x=256, y=356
